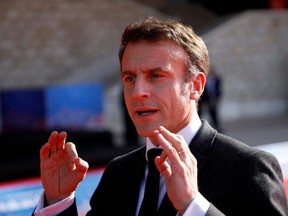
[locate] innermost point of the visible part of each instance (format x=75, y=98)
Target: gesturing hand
x=61, y=168
x=180, y=174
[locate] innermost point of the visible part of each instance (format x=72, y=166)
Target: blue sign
x=78, y=106
x=22, y=109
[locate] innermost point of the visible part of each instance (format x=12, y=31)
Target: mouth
x=146, y=112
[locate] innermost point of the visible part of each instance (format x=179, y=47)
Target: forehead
x=152, y=53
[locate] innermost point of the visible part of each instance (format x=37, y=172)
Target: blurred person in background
x=211, y=97
x=164, y=66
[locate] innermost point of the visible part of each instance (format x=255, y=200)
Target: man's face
x=154, y=88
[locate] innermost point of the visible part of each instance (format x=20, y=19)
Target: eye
x=129, y=78
x=155, y=76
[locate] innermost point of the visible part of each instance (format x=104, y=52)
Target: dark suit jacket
x=235, y=178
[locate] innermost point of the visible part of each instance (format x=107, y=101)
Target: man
x=164, y=65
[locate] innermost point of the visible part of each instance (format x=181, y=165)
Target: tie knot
x=152, y=153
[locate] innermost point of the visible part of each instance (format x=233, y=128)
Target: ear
x=198, y=82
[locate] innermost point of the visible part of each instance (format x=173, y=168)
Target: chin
x=146, y=132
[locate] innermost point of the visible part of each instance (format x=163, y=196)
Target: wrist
x=186, y=204
x=49, y=200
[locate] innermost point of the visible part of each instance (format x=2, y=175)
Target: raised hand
x=180, y=174
x=61, y=168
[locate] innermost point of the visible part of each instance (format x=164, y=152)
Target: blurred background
x=59, y=70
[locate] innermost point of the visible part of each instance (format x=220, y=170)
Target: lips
x=145, y=113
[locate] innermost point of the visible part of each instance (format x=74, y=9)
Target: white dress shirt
x=199, y=206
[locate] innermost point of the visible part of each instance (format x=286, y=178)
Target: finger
x=163, y=167
x=176, y=141
x=170, y=151
x=53, y=139
x=44, y=151
x=71, y=151
x=61, y=140
x=176, y=157
x=163, y=156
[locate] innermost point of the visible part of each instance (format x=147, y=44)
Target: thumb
x=71, y=151
x=81, y=166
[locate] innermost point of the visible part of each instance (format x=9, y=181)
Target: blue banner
x=22, y=109
x=78, y=106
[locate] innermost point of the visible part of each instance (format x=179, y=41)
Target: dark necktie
x=150, y=201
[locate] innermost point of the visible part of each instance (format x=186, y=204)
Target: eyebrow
x=147, y=71
x=150, y=71
x=156, y=69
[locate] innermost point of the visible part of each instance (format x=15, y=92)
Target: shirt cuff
x=199, y=206
x=55, y=208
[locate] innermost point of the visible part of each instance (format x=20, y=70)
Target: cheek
x=128, y=104
x=173, y=105
x=127, y=101
x=181, y=101
x=127, y=94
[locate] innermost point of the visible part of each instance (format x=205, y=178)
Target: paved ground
x=258, y=131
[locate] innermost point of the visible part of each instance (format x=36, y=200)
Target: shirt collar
x=187, y=132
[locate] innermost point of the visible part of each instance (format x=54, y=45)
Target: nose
x=141, y=88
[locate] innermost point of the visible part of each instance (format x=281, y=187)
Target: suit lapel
x=202, y=143
x=133, y=193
